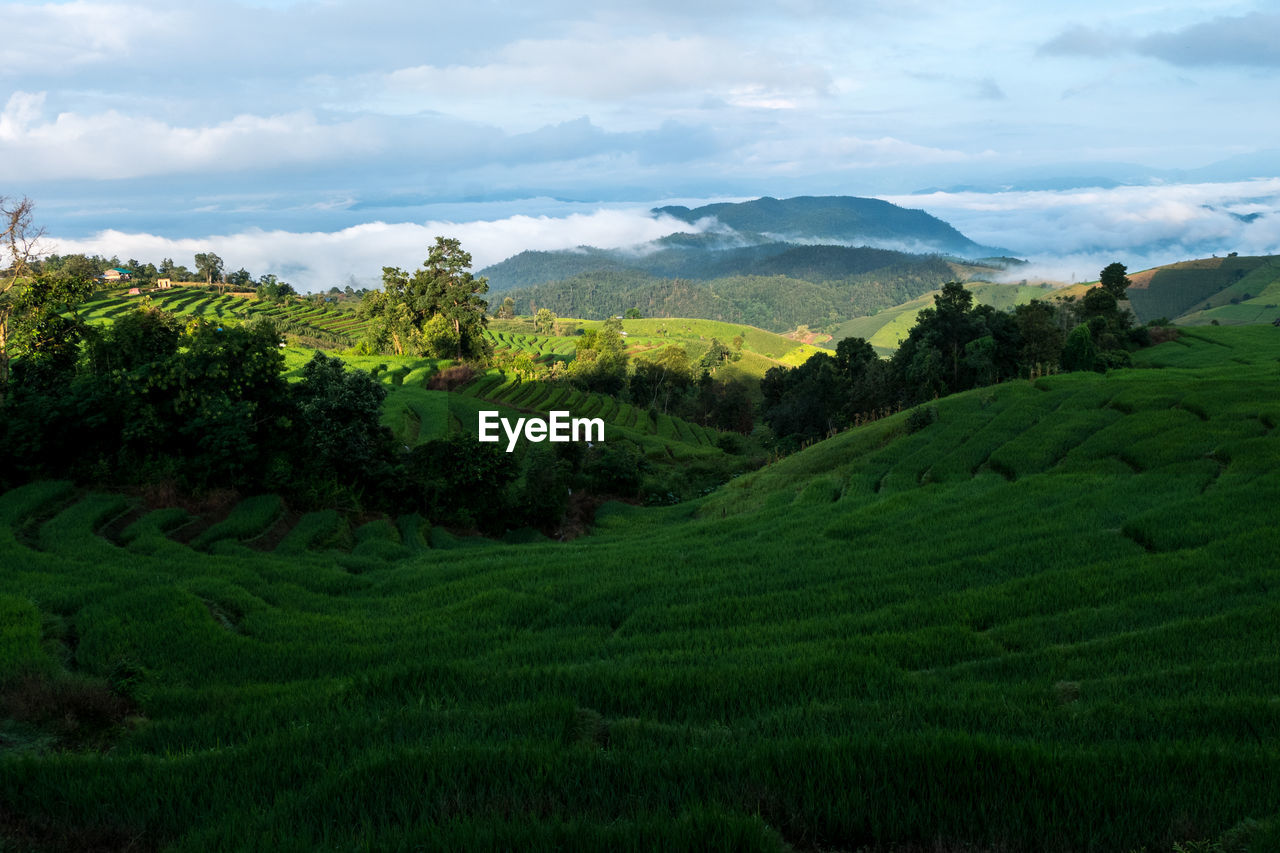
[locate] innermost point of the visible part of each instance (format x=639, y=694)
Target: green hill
x=776, y=302
x=1050, y=620
x=1232, y=290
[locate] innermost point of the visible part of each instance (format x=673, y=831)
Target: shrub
x=921, y=417
x=452, y=378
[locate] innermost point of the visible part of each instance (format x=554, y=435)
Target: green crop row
x=1037, y=623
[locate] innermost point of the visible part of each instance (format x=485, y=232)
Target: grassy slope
x=1198, y=291
x=761, y=349
x=1050, y=621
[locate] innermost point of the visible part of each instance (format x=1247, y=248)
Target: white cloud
x=1070, y=231
x=836, y=153
x=111, y=145
x=594, y=65
x=319, y=260
x=53, y=38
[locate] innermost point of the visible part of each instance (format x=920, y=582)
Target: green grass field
x=1049, y=621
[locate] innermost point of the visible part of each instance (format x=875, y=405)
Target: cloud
x=111, y=145
x=1246, y=40
x=989, y=90
x=319, y=260
x=791, y=155
x=1250, y=40
x=597, y=66
x=55, y=38
x=1071, y=231
x=1084, y=41
x=1064, y=233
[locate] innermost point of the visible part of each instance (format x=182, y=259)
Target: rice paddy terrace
x=339, y=326
x=1048, y=621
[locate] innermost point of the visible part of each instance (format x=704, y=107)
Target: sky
x=323, y=140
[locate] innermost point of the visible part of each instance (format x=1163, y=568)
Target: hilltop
x=844, y=220
x=808, y=238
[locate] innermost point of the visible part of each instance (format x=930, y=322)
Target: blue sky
x=321, y=140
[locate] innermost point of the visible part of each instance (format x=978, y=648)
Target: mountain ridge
x=766, y=236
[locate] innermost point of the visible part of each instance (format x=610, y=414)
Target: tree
x=339, y=412
x=544, y=322
x=209, y=265
x=1042, y=337
x=38, y=321
x=508, y=309
x=21, y=242
x=1114, y=280
x=715, y=354
x=1079, y=352
x=444, y=287
x=600, y=359
x=656, y=380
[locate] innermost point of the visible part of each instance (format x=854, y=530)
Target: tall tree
x=458, y=294
x=38, y=321
x=21, y=239
x=209, y=265
x=1114, y=280
x=405, y=312
x=544, y=322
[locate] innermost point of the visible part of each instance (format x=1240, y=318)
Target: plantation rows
x=204, y=303
x=1047, y=621
x=533, y=395
x=55, y=518
x=539, y=347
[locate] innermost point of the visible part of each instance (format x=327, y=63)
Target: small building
x=117, y=274
x=164, y=283
x=134, y=291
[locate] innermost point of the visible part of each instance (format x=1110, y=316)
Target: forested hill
x=815, y=239
x=837, y=219
x=769, y=301
x=810, y=263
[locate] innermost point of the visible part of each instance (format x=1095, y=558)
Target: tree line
x=953, y=346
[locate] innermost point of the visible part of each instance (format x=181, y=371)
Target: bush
x=615, y=468
x=921, y=417
x=731, y=443
x=452, y=378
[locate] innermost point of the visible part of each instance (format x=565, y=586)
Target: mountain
x=836, y=219
x=811, y=238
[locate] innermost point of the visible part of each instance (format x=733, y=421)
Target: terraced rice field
x=1049, y=621
x=209, y=305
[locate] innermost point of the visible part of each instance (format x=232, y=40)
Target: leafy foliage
x=436, y=312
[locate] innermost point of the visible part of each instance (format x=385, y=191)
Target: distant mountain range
x=840, y=220
x=825, y=236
